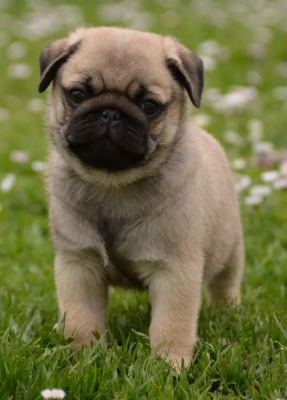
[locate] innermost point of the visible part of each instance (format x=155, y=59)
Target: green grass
x=242, y=353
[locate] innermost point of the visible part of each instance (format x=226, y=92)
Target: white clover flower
x=209, y=62
x=16, y=50
x=283, y=168
x=242, y=182
x=280, y=93
x=270, y=176
x=253, y=200
x=201, y=119
x=260, y=191
x=253, y=78
x=237, y=99
x=209, y=48
x=263, y=147
x=280, y=184
x=53, y=394
x=232, y=137
x=256, y=51
x=212, y=95
x=4, y=114
x=38, y=166
x=263, y=35
x=19, y=157
x=7, y=183
x=238, y=164
x=35, y=105
x=255, y=127
x=281, y=68
x=19, y=70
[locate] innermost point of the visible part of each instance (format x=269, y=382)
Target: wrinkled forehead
x=120, y=62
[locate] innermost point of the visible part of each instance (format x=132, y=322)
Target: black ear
x=51, y=58
x=187, y=68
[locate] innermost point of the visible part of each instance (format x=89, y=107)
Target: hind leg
x=225, y=286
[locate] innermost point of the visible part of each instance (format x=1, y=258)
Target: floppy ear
x=51, y=58
x=187, y=68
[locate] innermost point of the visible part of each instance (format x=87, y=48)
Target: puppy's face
x=119, y=97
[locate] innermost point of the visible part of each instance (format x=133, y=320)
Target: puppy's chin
x=113, y=145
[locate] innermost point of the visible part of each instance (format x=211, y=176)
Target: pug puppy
x=138, y=196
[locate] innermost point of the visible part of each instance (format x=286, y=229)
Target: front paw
x=177, y=361
x=85, y=341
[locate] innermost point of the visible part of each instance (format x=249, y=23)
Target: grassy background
x=241, y=354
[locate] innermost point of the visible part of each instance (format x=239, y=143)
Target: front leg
x=175, y=297
x=82, y=295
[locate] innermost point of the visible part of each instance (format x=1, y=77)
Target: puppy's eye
x=150, y=108
x=76, y=96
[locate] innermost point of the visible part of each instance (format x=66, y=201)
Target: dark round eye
x=150, y=108
x=76, y=96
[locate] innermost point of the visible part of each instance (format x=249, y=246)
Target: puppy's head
x=119, y=97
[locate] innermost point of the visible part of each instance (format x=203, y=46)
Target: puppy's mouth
x=108, y=139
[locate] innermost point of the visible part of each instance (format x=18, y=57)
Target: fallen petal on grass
x=53, y=394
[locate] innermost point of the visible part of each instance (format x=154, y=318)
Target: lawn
x=242, y=353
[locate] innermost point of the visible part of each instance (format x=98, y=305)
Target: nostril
x=116, y=116
x=105, y=114
x=111, y=115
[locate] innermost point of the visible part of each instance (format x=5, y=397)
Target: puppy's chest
x=123, y=243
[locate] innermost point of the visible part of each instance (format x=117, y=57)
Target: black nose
x=110, y=115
